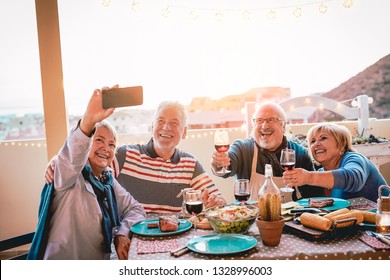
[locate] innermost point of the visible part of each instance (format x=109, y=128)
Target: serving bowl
x=232, y=219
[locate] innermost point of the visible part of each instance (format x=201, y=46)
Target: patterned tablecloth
x=291, y=247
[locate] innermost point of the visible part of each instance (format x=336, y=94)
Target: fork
x=382, y=238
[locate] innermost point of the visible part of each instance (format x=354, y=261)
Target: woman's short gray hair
x=110, y=128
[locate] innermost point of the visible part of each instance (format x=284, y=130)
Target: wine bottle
x=269, y=198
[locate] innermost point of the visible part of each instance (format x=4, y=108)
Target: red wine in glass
x=222, y=144
x=242, y=196
x=222, y=148
x=287, y=161
x=288, y=165
x=194, y=207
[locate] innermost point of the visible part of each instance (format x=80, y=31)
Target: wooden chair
x=15, y=242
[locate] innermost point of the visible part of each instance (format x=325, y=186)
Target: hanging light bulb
x=194, y=14
x=135, y=6
x=347, y=4
x=370, y=100
x=219, y=16
x=106, y=3
x=271, y=15
x=246, y=15
x=166, y=12
x=323, y=8
x=354, y=103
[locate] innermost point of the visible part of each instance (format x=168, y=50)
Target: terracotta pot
x=270, y=232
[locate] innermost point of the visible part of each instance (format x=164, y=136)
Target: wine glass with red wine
x=194, y=203
x=287, y=160
x=241, y=190
x=222, y=144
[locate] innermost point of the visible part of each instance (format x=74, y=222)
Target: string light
x=323, y=8
x=26, y=144
x=135, y=6
x=166, y=12
x=246, y=13
x=219, y=16
x=106, y=3
x=297, y=12
x=194, y=14
x=271, y=15
x=347, y=4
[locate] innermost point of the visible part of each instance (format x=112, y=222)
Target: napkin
x=156, y=246
x=374, y=242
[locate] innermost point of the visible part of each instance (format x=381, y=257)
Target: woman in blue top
x=344, y=171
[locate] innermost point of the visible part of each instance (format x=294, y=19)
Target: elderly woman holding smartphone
x=87, y=207
x=345, y=172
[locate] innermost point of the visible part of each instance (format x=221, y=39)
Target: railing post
x=249, y=111
x=363, y=114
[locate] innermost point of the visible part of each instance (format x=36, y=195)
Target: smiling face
x=325, y=149
x=102, y=150
x=168, y=129
x=269, y=134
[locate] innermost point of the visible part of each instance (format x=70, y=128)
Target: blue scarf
x=39, y=242
x=106, y=198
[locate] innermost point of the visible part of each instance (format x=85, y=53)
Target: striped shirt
x=156, y=183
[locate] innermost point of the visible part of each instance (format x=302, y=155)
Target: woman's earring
x=341, y=153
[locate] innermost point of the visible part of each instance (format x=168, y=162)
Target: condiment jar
x=383, y=211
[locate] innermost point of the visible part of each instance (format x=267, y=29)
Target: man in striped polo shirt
x=155, y=173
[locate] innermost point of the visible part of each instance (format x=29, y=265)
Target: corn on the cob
x=349, y=215
x=315, y=221
x=368, y=217
x=335, y=213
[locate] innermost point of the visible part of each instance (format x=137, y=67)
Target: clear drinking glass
x=222, y=144
x=241, y=190
x=287, y=160
x=194, y=204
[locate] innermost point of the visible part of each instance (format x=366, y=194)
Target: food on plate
x=153, y=225
x=200, y=221
x=168, y=223
x=233, y=218
x=289, y=205
x=319, y=203
x=315, y=221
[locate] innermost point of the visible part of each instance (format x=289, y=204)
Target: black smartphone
x=122, y=97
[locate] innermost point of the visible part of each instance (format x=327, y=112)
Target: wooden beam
x=55, y=115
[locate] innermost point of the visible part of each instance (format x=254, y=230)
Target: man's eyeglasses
x=260, y=121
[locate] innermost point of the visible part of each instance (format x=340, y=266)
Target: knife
x=179, y=251
x=381, y=237
x=304, y=210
